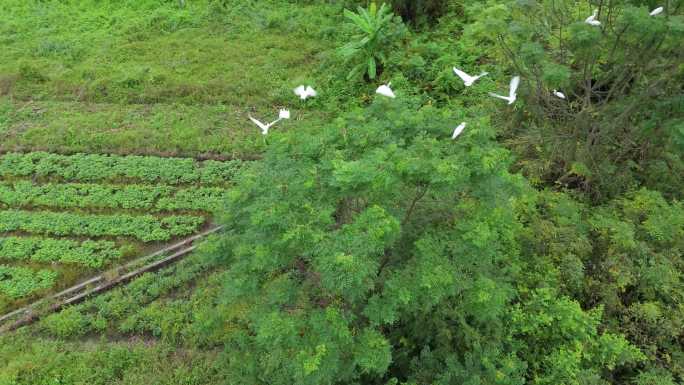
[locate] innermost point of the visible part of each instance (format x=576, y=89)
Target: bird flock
x=306, y=91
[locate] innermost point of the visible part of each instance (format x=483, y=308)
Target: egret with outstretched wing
x=282, y=114
x=512, y=91
x=305, y=92
x=467, y=79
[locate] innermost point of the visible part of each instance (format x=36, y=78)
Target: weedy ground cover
x=149, y=77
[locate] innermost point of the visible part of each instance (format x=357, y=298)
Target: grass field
x=151, y=78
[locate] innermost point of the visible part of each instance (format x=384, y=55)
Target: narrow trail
x=101, y=283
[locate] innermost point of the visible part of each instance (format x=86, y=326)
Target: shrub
x=376, y=34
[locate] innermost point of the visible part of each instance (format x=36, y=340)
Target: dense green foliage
x=404, y=264
x=137, y=197
x=88, y=253
x=17, y=282
x=93, y=167
x=146, y=228
x=542, y=246
x=622, y=123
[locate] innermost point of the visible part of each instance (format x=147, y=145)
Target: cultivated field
x=63, y=217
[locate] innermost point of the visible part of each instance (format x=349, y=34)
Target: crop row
x=87, y=253
x=141, y=197
x=96, y=167
x=16, y=282
x=144, y=227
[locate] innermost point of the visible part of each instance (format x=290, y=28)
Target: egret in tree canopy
x=591, y=20
x=283, y=114
x=305, y=92
x=458, y=130
x=656, y=11
x=467, y=79
x=511, y=91
x=559, y=94
x=385, y=90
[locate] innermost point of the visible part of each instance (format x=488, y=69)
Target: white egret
x=467, y=79
x=283, y=114
x=656, y=11
x=458, y=130
x=264, y=127
x=591, y=20
x=512, y=95
x=559, y=94
x=305, y=92
x=385, y=90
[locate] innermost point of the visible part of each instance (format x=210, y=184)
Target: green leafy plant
x=17, y=282
x=23, y=194
x=87, y=253
x=146, y=228
x=374, y=37
x=116, y=168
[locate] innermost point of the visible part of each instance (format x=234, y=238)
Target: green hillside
x=366, y=239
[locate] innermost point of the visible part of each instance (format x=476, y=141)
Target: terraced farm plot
x=63, y=217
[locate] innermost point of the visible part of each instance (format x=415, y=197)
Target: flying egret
x=467, y=79
x=559, y=94
x=283, y=114
x=656, y=11
x=385, y=90
x=264, y=127
x=458, y=130
x=511, y=91
x=591, y=20
x=305, y=92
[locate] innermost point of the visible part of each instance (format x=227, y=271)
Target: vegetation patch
x=100, y=168
x=16, y=282
x=97, y=196
x=71, y=215
x=46, y=250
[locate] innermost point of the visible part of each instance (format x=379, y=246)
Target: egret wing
x=258, y=123
x=515, y=82
x=464, y=76
x=499, y=96
x=458, y=130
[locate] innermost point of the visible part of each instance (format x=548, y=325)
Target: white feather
x=467, y=79
x=283, y=114
x=591, y=20
x=458, y=130
x=385, y=90
x=512, y=91
x=305, y=92
x=264, y=127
